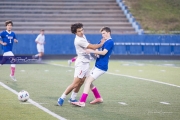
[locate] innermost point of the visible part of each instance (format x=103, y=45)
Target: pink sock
x=73, y=59
x=12, y=71
x=96, y=93
x=83, y=97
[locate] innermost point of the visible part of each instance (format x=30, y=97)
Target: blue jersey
x=8, y=37
x=103, y=60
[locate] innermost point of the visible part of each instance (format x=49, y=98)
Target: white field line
x=138, y=78
x=165, y=103
x=162, y=65
x=31, y=103
x=122, y=103
x=144, y=79
x=34, y=103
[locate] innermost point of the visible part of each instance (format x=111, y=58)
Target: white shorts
x=81, y=69
x=96, y=72
x=8, y=54
x=40, y=48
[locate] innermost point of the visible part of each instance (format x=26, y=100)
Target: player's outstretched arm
x=97, y=51
x=3, y=43
x=96, y=46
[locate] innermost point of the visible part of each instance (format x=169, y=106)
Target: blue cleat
x=70, y=100
x=60, y=101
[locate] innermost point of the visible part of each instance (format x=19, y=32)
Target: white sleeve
x=37, y=39
x=83, y=43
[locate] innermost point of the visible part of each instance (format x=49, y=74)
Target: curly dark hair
x=76, y=26
x=107, y=29
x=8, y=22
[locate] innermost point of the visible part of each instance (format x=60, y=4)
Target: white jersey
x=81, y=44
x=40, y=38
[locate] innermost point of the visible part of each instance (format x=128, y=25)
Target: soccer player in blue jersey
x=8, y=38
x=101, y=66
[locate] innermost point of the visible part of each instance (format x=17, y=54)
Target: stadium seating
x=56, y=16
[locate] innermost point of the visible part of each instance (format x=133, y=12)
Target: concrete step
x=30, y=19
x=4, y=11
x=27, y=7
x=60, y=0
x=62, y=15
x=60, y=3
x=86, y=27
x=67, y=31
x=54, y=24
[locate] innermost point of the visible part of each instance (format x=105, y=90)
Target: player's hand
x=0, y=42
x=16, y=41
x=102, y=41
x=96, y=55
x=4, y=43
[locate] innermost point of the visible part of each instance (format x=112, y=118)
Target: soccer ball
x=23, y=96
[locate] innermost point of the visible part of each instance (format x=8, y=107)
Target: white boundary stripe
x=34, y=103
x=122, y=103
x=144, y=79
x=31, y=103
x=166, y=103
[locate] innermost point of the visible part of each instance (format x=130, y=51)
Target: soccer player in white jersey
x=8, y=38
x=40, y=40
x=81, y=64
x=101, y=66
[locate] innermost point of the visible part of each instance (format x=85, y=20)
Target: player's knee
x=92, y=86
x=74, y=85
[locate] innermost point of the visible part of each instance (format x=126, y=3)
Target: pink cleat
x=80, y=104
x=98, y=100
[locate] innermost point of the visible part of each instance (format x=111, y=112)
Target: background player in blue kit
x=8, y=38
x=101, y=66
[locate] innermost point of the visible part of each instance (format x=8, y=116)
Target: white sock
x=63, y=96
x=73, y=95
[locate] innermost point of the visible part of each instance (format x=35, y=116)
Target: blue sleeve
x=0, y=36
x=15, y=36
x=109, y=45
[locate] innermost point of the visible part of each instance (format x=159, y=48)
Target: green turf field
x=130, y=91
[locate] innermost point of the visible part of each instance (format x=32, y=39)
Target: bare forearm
x=94, y=46
x=100, y=52
x=97, y=52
